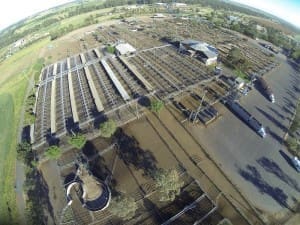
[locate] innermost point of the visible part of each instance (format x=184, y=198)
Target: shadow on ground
x=287, y=158
x=130, y=152
x=274, y=135
x=272, y=167
x=251, y=174
x=272, y=119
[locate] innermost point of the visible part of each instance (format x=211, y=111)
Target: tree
x=156, y=105
x=123, y=207
x=295, y=125
x=110, y=49
x=24, y=151
x=293, y=144
x=236, y=60
x=108, y=128
x=234, y=56
x=168, y=184
x=53, y=152
x=296, y=54
x=77, y=140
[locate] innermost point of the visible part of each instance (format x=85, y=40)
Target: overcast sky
x=11, y=11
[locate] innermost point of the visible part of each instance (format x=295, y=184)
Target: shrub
x=108, y=128
x=53, y=152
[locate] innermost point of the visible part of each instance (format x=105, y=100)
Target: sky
x=289, y=10
x=14, y=10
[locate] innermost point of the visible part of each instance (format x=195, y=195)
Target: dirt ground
x=56, y=195
x=70, y=44
x=167, y=149
x=163, y=141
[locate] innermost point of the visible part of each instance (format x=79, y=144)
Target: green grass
x=6, y=159
x=14, y=74
x=79, y=19
x=242, y=75
x=297, y=37
x=21, y=61
x=11, y=101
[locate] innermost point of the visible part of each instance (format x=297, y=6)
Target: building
x=161, y=4
x=19, y=43
x=125, y=49
x=205, y=52
x=236, y=82
x=159, y=15
x=233, y=19
x=179, y=5
x=261, y=28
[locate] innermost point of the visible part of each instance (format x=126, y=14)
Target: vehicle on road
x=296, y=163
x=266, y=89
x=246, y=117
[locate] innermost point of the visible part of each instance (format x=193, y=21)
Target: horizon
x=287, y=10
x=24, y=10
x=274, y=7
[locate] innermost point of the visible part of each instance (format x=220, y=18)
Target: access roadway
x=259, y=167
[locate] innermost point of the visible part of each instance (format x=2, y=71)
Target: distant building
x=261, y=28
x=19, y=43
x=179, y=5
x=159, y=15
x=205, y=52
x=233, y=18
x=236, y=82
x=125, y=49
x=161, y=4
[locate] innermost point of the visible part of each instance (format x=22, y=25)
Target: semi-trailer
x=266, y=88
x=246, y=117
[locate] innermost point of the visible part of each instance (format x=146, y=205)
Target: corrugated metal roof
x=207, y=49
x=125, y=48
x=115, y=80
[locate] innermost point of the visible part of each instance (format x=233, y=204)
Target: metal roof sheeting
x=208, y=50
x=115, y=80
x=125, y=48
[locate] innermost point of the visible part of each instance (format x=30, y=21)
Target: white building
x=161, y=4
x=19, y=43
x=205, y=52
x=159, y=15
x=179, y=5
x=261, y=28
x=125, y=49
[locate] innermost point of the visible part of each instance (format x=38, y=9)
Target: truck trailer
x=246, y=117
x=266, y=88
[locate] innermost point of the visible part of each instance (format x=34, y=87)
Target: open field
x=13, y=82
x=269, y=23
x=13, y=94
x=21, y=62
x=6, y=156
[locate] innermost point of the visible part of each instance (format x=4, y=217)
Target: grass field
x=20, y=62
x=297, y=37
x=6, y=168
x=14, y=75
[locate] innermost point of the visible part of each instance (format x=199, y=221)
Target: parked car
x=296, y=163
